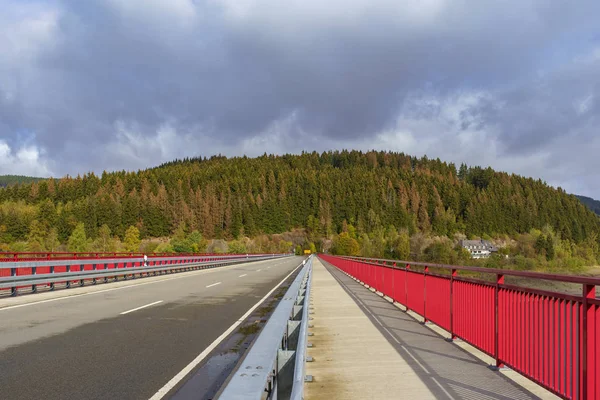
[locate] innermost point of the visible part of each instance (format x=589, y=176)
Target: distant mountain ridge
x=592, y=204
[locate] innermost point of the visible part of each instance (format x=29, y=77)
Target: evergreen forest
x=347, y=202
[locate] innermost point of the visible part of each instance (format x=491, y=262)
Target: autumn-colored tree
x=104, y=242
x=403, y=246
x=132, y=239
x=345, y=245
x=237, y=247
x=52, y=241
x=36, y=237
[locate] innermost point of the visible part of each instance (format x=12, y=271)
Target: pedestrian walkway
x=364, y=347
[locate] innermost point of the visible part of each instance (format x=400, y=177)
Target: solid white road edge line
x=184, y=372
x=214, y=284
x=139, y=308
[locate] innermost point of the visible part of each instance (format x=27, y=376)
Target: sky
x=109, y=85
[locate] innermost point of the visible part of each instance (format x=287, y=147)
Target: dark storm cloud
x=108, y=84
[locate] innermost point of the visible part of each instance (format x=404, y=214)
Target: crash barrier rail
x=34, y=274
x=273, y=367
x=551, y=338
x=35, y=256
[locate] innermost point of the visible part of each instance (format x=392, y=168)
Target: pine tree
x=423, y=217
x=52, y=242
x=37, y=236
x=78, y=240
x=403, y=246
x=104, y=238
x=549, y=247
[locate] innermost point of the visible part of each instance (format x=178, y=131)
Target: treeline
x=40, y=240
x=534, y=250
x=233, y=198
x=6, y=180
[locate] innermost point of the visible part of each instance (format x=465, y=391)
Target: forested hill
x=226, y=198
x=592, y=204
x=6, y=180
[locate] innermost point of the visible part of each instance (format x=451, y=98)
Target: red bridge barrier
x=551, y=338
x=27, y=264
x=39, y=256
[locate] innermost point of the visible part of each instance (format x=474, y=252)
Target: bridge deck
x=366, y=347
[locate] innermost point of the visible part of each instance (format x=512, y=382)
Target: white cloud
x=26, y=160
x=26, y=30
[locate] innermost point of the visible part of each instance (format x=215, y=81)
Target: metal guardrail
x=129, y=260
x=273, y=367
x=33, y=256
x=300, y=356
x=15, y=281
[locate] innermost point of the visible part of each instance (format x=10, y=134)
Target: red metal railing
x=31, y=256
x=551, y=338
x=76, y=262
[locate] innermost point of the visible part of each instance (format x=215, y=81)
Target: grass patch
x=266, y=310
x=247, y=330
x=281, y=292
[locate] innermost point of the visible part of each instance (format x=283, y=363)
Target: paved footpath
x=364, y=347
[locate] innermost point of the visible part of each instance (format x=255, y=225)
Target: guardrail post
x=589, y=292
x=13, y=290
x=452, y=276
x=33, y=272
x=499, y=281
x=51, y=272
x=68, y=282
x=94, y=269
x=81, y=269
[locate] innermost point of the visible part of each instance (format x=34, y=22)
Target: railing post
x=393, y=294
x=425, y=294
x=452, y=276
x=499, y=281
x=589, y=292
x=406, y=286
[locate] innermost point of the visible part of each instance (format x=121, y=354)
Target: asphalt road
x=124, y=340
